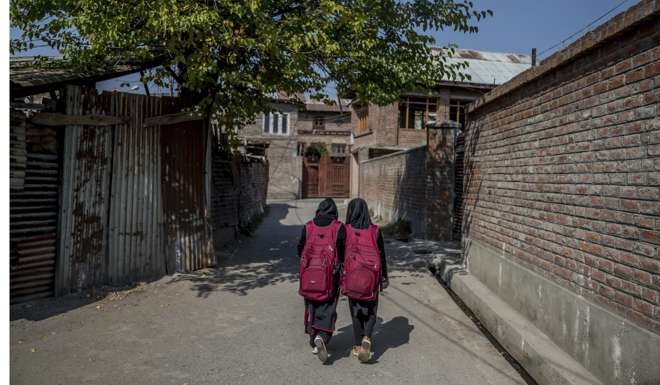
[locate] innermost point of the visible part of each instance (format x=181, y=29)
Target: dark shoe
x=320, y=345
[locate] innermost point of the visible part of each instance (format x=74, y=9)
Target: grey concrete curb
x=542, y=358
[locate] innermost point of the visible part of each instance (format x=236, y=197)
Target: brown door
x=337, y=177
x=326, y=177
x=310, y=178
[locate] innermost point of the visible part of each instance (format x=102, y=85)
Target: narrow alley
x=242, y=324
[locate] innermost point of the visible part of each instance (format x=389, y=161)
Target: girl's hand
x=384, y=283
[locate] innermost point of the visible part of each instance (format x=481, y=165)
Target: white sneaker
x=365, y=350
x=315, y=350
x=322, y=351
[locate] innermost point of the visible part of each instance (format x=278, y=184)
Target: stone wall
x=563, y=178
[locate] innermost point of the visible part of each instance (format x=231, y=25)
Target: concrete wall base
x=500, y=290
x=542, y=359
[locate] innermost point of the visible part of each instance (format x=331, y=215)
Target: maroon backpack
x=362, y=267
x=317, y=261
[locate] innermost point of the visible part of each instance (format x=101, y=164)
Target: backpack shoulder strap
x=334, y=227
x=309, y=229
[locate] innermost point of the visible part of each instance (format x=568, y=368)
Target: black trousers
x=363, y=315
x=320, y=318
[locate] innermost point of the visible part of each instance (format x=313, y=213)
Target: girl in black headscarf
x=363, y=314
x=320, y=317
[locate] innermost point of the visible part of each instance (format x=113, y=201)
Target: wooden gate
x=326, y=177
x=311, y=177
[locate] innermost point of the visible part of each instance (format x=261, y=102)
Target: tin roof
x=489, y=68
x=316, y=105
x=26, y=77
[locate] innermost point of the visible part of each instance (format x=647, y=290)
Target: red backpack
x=362, y=267
x=318, y=261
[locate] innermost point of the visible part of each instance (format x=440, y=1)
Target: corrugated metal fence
x=134, y=200
x=33, y=208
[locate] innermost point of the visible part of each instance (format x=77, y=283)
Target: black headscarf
x=327, y=210
x=357, y=214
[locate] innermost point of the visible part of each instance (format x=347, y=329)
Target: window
x=318, y=123
x=276, y=123
x=363, y=116
x=415, y=112
x=338, y=149
x=457, y=110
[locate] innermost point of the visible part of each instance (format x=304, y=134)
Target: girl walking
x=321, y=252
x=364, y=273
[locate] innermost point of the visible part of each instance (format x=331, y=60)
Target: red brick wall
x=563, y=170
x=415, y=185
x=394, y=187
x=412, y=138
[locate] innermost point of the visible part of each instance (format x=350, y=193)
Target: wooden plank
x=57, y=119
x=168, y=119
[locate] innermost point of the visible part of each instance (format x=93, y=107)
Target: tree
x=229, y=55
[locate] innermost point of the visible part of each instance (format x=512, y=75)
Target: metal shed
x=122, y=195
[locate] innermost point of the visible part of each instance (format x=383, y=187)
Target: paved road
x=243, y=325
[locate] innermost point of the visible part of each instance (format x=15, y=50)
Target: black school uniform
x=320, y=317
x=364, y=313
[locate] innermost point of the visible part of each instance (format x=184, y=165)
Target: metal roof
x=489, y=68
x=320, y=106
x=29, y=78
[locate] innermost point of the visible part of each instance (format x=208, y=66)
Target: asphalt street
x=242, y=324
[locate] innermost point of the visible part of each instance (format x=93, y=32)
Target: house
x=307, y=145
x=398, y=186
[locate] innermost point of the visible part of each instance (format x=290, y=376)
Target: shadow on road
x=387, y=335
x=266, y=258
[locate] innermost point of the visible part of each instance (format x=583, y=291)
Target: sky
x=517, y=26
x=520, y=25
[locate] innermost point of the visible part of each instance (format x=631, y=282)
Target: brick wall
x=238, y=194
x=383, y=121
x=415, y=185
x=412, y=138
x=563, y=168
x=393, y=186
x=253, y=183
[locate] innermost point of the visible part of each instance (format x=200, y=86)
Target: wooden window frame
x=460, y=105
x=427, y=103
x=318, y=123
x=276, y=123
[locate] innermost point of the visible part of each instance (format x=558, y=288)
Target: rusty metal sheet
x=134, y=197
x=33, y=210
x=85, y=198
x=136, y=231
x=184, y=164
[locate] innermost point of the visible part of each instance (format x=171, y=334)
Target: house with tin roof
x=383, y=135
x=401, y=125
